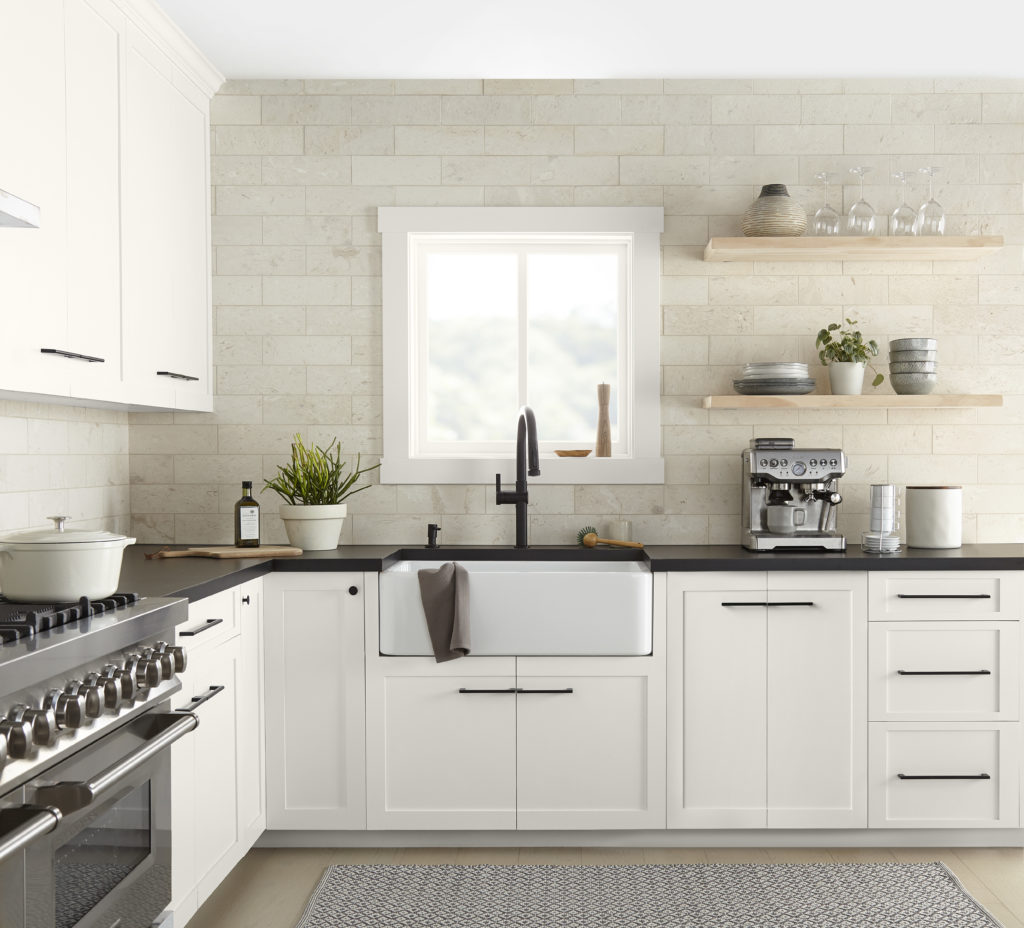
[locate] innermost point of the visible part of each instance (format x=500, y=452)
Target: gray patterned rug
x=652, y=896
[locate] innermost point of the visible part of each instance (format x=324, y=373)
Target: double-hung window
x=490, y=309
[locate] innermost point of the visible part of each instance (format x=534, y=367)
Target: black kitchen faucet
x=526, y=444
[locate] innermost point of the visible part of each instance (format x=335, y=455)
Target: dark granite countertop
x=198, y=577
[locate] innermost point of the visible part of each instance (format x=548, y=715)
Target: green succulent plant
x=849, y=346
x=315, y=476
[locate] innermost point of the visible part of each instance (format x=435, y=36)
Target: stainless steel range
x=85, y=723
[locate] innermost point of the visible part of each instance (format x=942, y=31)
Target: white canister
x=934, y=517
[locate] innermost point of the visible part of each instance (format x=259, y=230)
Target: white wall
x=300, y=167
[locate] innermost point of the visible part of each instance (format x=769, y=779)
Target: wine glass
x=861, y=220
x=826, y=219
x=931, y=219
x=904, y=216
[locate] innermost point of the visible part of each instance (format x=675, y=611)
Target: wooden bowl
x=573, y=452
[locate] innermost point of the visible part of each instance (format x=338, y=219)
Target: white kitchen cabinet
x=767, y=700
x=315, y=698
x=929, y=595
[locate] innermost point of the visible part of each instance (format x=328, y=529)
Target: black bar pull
x=175, y=376
x=196, y=701
x=943, y=595
x=74, y=355
x=944, y=776
x=202, y=628
x=770, y=604
x=511, y=689
x=944, y=673
x=568, y=689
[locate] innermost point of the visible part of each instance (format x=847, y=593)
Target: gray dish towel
x=444, y=592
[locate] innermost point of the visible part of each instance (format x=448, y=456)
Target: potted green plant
x=313, y=485
x=846, y=354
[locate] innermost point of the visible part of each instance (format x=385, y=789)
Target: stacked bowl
x=912, y=367
x=774, y=377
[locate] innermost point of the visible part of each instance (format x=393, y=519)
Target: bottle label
x=248, y=523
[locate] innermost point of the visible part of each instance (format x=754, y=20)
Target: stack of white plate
x=774, y=377
x=880, y=542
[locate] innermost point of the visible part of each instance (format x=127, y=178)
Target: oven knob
x=91, y=695
x=165, y=660
x=177, y=652
x=69, y=709
x=146, y=672
x=125, y=681
x=110, y=686
x=18, y=736
x=3, y=752
x=43, y=722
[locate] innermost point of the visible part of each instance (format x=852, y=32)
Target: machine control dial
x=18, y=737
x=799, y=468
x=764, y=462
x=774, y=462
x=68, y=709
x=43, y=722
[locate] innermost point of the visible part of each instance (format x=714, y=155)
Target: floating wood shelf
x=872, y=401
x=854, y=248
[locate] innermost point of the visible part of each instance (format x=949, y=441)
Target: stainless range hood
x=16, y=213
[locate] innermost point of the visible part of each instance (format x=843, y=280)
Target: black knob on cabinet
x=245, y=600
x=352, y=590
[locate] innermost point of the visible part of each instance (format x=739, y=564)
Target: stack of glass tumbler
x=884, y=537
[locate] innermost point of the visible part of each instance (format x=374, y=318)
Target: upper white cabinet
x=106, y=129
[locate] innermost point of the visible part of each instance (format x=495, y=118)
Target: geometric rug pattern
x=884, y=895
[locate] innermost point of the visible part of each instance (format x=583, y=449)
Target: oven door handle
x=20, y=827
x=70, y=797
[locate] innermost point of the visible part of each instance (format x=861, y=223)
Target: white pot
x=60, y=565
x=846, y=378
x=313, y=528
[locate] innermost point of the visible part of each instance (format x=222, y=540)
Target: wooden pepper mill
x=603, y=447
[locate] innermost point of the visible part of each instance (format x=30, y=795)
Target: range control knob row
x=125, y=681
x=109, y=686
x=146, y=672
x=17, y=735
x=178, y=655
x=91, y=695
x=43, y=722
x=164, y=658
x=68, y=708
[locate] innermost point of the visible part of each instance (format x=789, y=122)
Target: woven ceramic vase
x=774, y=212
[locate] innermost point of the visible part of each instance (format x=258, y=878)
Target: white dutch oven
x=60, y=565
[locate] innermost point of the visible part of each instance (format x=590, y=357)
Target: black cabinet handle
x=175, y=376
x=202, y=628
x=944, y=673
x=196, y=701
x=943, y=595
x=352, y=590
x=568, y=689
x=245, y=600
x=511, y=689
x=944, y=776
x=769, y=604
x=74, y=355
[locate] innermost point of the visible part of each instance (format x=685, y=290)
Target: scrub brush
x=587, y=536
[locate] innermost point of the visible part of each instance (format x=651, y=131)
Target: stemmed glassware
x=904, y=216
x=826, y=219
x=931, y=219
x=861, y=220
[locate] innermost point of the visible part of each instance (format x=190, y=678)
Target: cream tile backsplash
x=300, y=167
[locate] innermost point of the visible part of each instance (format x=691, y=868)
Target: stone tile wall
x=299, y=168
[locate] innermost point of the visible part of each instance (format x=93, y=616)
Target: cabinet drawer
x=943, y=775
x=210, y=620
x=952, y=671
x=964, y=594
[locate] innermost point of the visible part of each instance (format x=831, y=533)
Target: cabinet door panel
x=251, y=754
x=816, y=713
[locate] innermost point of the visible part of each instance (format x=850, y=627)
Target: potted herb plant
x=846, y=354
x=313, y=485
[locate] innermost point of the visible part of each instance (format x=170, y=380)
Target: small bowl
x=914, y=383
x=912, y=367
x=913, y=344
x=918, y=355
x=573, y=452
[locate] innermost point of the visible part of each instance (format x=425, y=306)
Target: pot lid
x=60, y=535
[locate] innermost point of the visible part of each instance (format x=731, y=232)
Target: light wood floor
x=269, y=888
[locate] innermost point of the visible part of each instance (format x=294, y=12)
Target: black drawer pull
x=202, y=628
x=568, y=689
x=944, y=673
x=175, y=376
x=770, y=604
x=74, y=355
x=353, y=590
x=196, y=701
x=511, y=689
x=944, y=776
x=943, y=595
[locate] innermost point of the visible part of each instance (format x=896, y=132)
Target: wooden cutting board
x=229, y=551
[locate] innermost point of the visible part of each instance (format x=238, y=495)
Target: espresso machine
x=790, y=496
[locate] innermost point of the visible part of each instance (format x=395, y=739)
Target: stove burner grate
x=22, y=620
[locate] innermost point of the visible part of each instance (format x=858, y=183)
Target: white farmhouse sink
x=528, y=608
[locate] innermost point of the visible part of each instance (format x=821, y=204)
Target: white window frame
x=637, y=457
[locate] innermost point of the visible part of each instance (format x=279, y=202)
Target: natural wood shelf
x=872, y=401
x=854, y=248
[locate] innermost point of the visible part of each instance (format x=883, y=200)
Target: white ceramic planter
x=313, y=528
x=58, y=565
x=846, y=378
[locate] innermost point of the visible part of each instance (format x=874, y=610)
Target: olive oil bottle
x=247, y=519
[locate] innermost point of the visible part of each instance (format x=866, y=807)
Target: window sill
x=553, y=470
